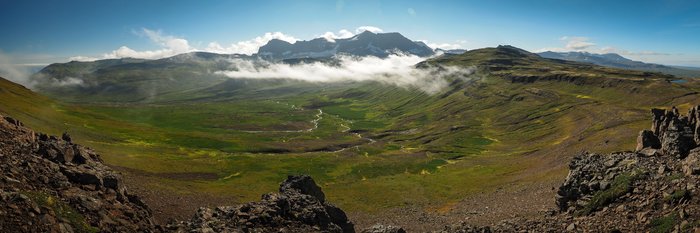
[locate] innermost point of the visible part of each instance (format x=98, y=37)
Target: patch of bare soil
x=480, y=209
x=167, y=206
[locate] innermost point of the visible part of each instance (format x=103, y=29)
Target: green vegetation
x=621, y=185
x=664, y=224
x=677, y=196
x=62, y=211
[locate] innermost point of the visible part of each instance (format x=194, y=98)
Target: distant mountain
x=518, y=66
x=363, y=44
x=616, y=61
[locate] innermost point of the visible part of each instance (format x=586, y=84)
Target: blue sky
x=42, y=32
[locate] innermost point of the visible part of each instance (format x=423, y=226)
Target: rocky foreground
x=655, y=188
x=50, y=184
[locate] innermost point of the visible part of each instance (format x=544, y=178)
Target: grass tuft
x=664, y=224
x=619, y=187
x=63, y=211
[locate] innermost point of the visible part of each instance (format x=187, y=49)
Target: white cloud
x=584, y=44
x=411, y=12
x=249, y=46
x=458, y=44
x=577, y=43
x=171, y=45
x=396, y=70
x=368, y=28
x=14, y=72
x=342, y=34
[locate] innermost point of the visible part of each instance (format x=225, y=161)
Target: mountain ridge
x=618, y=61
x=364, y=44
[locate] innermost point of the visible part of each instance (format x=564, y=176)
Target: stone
x=80, y=155
x=649, y=152
x=112, y=181
x=297, y=207
x=661, y=170
x=82, y=176
x=66, y=137
x=65, y=228
x=677, y=134
x=379, y=228
x=304, y=185
x=691, y=164
x=647, y=139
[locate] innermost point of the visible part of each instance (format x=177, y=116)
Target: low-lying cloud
x=17, y=73
x=396, y=70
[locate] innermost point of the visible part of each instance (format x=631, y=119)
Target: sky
x=43, y=32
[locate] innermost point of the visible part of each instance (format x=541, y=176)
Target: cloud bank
x=458, y=44
x=395, y=70
x=249, y=46
x=16, y=73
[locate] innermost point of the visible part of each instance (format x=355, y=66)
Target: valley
x=377, y=150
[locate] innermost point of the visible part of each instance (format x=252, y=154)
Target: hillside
x=616, y=61
x=379, y=151
x=52, y=184
x=653, y=189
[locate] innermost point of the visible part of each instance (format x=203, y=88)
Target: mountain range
x=618, y=61
x=364, y=44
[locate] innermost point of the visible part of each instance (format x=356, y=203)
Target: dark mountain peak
x=365, y=34
x=278, y=42
x=364, y=44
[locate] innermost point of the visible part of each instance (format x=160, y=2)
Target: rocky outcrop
x=677, y=134
x=655, y=188
x=647, y=139
x=299, y=206
x=50, y=184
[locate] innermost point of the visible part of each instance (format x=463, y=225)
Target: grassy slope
x=485, y=132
